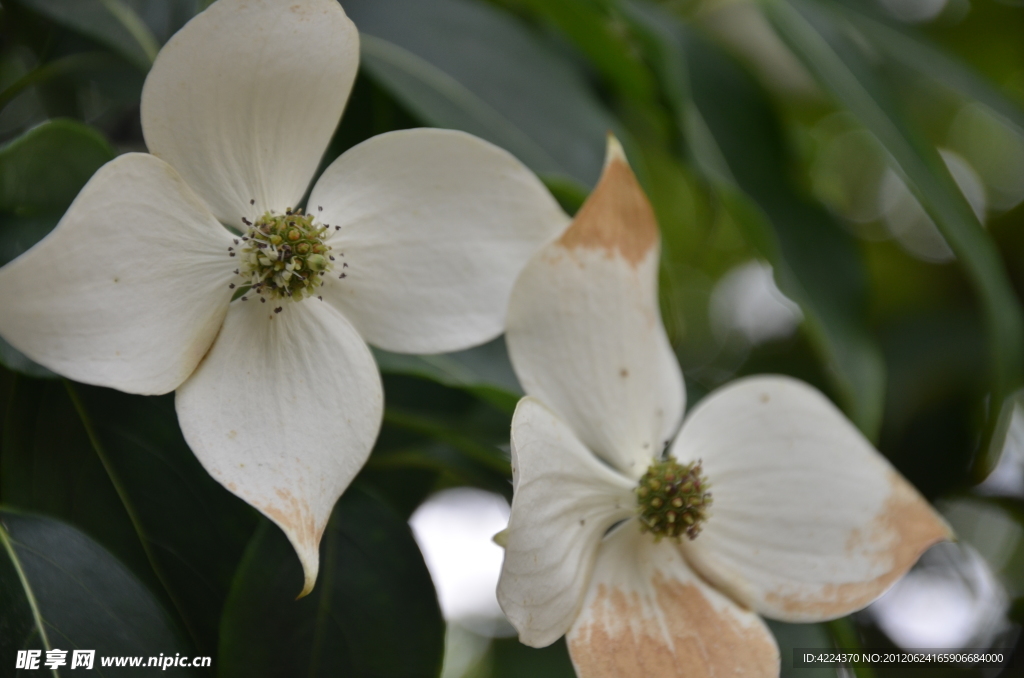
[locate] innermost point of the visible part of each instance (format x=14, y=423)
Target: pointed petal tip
x=617, y=216
x=310, y=559
x=898, y=537
x=307, y=587
x=614, y=151
x=501, y=538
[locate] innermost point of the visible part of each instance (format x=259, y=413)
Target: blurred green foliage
x=827, y=138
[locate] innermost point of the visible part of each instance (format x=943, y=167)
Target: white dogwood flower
x=617, y=544
x=411, y=241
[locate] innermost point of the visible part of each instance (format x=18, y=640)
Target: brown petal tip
x=904, y=529
x=617, y=217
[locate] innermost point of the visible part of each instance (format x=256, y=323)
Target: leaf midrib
x=30, y=596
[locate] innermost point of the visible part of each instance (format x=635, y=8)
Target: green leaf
x=61, y=590
x=135, y=29
x=437, y=436
x=98, y=67
x=194, y=531
x=907, y=47
x=664, y=42
x=43, y=170
x=790, y=636
x=484, y=371
x=512, y=659
x=486, y=455
x=816, y=262
x=408, y=475
x=845, y=635
x=570, y=194
x=1016, y=613
x=372, y=614
x=117, y=467
x=48, y=466
x=465, y=65
x=822, y=42
x=594, y=32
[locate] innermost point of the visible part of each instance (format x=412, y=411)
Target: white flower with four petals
x=808, y=521
x=278, y=395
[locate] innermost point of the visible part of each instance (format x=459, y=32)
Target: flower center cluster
x=284, y=255
x=673, y=499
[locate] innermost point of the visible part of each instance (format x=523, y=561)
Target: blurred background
x=838, y=185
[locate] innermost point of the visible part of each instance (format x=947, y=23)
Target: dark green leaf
x=664, y=43
x=437, y=436
x=845, y=637
x=937, y=370
x=19, y=234
x=484, y=371
x=373, y=613
x=408, y=475
x=816, y=261
x=48, y=466
x=133, y=28
x=914, y=51
x=512, y=659
x=96, y=66
x=464, y=65
x=593, y=31
x=194, y=530
x=1016, y=613
x=482, y=453
x=569, y=194
x=790, y=636
x=43, y=170
x=823, y=43
x=61, y=590
x=117, y=467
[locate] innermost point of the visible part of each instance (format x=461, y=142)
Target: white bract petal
x=585, y=333
x=564, y=501
x=283, y=412
x=809, y=522
x=435, y=225
x=775, y=500
x=129, y=289
x=244, y=99
x=647, y=614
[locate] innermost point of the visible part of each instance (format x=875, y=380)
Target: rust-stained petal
x=564, y=501
x=647, y=614
x=809, y=522
x=585, y=333
x=283, y=412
